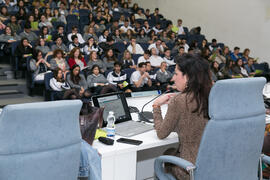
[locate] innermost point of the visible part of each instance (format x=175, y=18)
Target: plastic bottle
x=110, y=128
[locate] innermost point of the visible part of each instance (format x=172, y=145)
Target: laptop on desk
x=117, y=103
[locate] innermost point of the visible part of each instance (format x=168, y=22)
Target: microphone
x=147, y=115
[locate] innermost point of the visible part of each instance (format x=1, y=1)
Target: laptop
x=117, y=103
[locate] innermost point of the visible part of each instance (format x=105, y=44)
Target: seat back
x=40, y=141
x=232, y=140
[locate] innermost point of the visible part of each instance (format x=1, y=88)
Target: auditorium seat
x=232, y=141
x=40, y=141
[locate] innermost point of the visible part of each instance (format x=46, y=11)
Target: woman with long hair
x=187, y=112
x=98, y=83
x=77, y=81
x=109, y=59
x=239, y=70
x=76, y=57
x=58, y=61
x=128, y=62
x=93, y=59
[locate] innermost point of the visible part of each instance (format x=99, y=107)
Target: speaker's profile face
x=179, y=79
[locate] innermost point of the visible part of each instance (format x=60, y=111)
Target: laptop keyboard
x=131, y=128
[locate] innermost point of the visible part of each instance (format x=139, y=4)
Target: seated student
x=142, y=37
x=93, y=60
x=9, y=36
x=75, y=43
x=60, y=33
x=250, y=67
x=215, y=71
x=39, y=66
x=74, y=31
x=90, y=46
x=23, y=50
x=227, y=70
x=98, y=83
x=28, y=33
x=181, y=52
x=152, y=73
x=158, y=46
x=235, y=54
x=41, y=46
x=77, y=81
x=118, y=78
x=58, y=61
x=126, y=27
x=245, y=55
x=59, y=45
x=61, y=88
x=109, y=59
x=238, y=69
x=14, y=25
x=180, y=27
x=145, y=57
x=44, y=34
x=127, y=61
x=44, y=22
x=216, y=56
x=90, y=32
x=76, y=57
x=140, y=79
x=163, y=77
x=157, y=29
x=104, y=36
x=214, y=45
x=168, y=58
x=135, y=48
x=155, y=59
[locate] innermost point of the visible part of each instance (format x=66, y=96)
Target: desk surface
x=150, y=139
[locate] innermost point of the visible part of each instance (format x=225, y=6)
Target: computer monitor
x=115, y=102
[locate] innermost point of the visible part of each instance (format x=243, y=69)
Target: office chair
x=232, y=140
x=40, y=141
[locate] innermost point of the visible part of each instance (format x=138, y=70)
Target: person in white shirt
x=140, y=15
x=180, y=27
x=185, y=45
x=158, y=46
x=146, y=27
x=140, y=79
x=145, y=57
x=118, y=78
x=90, y=46
x=155, y=59
x=125, y=27
x=168, y=58
x=157, y=29
x=135, y=48
x=104, y=36
x=74, y=31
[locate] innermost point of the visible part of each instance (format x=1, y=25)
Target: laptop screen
x=115, y=102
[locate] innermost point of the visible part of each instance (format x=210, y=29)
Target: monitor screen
x=113, y=103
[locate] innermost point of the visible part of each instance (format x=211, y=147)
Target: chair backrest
x=40, y=141
x=232, y=140
x=47, y=78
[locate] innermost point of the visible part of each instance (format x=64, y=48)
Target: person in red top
x=76, y=58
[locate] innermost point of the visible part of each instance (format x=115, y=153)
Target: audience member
x=127, y=61
x=155, y=59
x=93, y=60
x=135, y=48
x=98, y=83
x=118, y=78
x=140, y=79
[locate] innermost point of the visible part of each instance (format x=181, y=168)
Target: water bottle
x=110, y=128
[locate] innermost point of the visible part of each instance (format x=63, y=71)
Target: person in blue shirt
x=245, y=55
x=250, y=67
x=235, y=55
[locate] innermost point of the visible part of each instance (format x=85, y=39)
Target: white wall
x=243, y=23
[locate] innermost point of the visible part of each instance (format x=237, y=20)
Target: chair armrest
x=266, y=159
x=188, y=166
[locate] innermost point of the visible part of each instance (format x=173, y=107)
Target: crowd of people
x=94, y=47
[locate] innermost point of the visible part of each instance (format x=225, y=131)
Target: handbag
x=91, y=118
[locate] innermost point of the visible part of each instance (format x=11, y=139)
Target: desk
x=119, y=162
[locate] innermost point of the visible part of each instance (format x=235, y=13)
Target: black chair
x=135, y=57
x=49, y=92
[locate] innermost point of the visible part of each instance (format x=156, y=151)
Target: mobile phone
x=129, y=141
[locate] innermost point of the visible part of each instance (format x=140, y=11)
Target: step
x=21, y=100
x=10, y=91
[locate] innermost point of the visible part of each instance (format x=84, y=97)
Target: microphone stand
x=147, y=115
